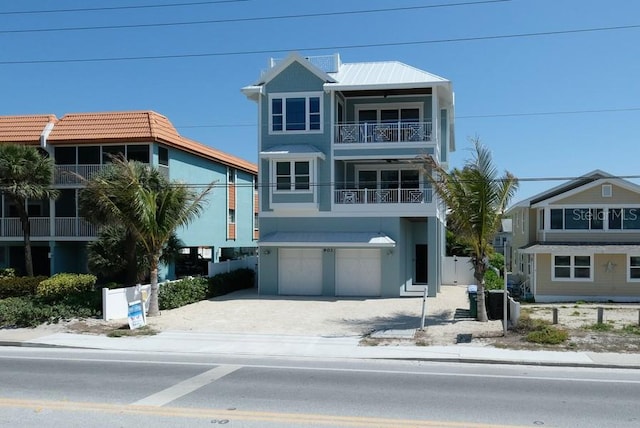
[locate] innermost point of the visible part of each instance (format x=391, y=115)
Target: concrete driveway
x=247, y=312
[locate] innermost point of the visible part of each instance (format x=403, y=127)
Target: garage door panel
x=358, y=272
x=300, y=271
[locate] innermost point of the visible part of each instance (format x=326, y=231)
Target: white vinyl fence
x=457, y=270
x=115, y=303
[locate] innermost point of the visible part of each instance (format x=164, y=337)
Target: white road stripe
x=187, y=386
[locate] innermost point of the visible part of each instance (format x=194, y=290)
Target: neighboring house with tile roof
x=82, y=143
x=345, y=207
x=579, y=240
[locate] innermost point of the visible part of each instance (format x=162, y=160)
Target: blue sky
x=548, y=106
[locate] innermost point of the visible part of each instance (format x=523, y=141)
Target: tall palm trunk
x=478, y=274
x=131, y=256
x=154, y=307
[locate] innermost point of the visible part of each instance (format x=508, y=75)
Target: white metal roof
x=327, y=239
x=389, y=74
x=292, y=150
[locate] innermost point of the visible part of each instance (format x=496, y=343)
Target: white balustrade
x=350, y=133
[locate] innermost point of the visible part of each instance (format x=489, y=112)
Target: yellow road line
x=200, y=413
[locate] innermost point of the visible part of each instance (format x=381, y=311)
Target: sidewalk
x=245, y=323
x=314, y=347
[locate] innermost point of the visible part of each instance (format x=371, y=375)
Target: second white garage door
x=358, y=272
x=300, y=271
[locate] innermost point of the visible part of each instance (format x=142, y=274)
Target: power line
x=250, y=19
x=483, y=116
x=94, y=9
x=324, y=48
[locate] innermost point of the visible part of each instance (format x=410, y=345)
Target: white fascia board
x=252, y=92
x=381, y=86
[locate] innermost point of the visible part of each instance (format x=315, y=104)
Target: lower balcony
x=43, y=227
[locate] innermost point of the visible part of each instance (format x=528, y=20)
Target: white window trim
x=605, y=226
x=572, y=266
x=629, y=279
x=306, y=95
x=292, y=190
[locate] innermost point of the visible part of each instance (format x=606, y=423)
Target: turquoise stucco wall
x=210, y=229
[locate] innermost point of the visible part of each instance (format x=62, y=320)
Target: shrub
x=548, y=335
x=19, y=286
x=7, y=273
x=183, y=292
x=492, y=281
x=63, y=284
x=225, y=283
x=599, y=327
x=30, y=311
x=631, y=329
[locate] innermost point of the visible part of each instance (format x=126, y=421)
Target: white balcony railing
x=383, y=196
x=41, y=226
x=74, y=174
x=397, y=132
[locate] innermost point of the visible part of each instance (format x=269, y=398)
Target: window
x=576, y=219
x=556, y=219
x=607, y=191
x=255, y=221
x=634, y=268
x=293, y=175
x=65, y=155
x=232, y=216
x=296, y=113
x=232, y=175
x=163, y=156
x=66, y=203
x=89, y=155
x=541, y=220
x=572, y=268
x=138, y=152
x=624, y=218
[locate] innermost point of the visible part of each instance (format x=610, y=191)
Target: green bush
x=548, y=335
x=492, y=281
x=7, y=273
x=30, y=311
x=64, y=284
x=599, y=327
x=225, y=283
x=19, y=286
x=183, y=292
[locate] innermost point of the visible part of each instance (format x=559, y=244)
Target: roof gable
x=282, y=65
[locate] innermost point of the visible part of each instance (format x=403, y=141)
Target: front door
x=421, y=264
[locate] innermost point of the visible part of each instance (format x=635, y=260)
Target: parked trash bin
x=495, y=304
x=472, y=291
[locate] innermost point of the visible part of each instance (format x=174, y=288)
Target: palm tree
x=25, y=173
x=476, y=198
x=148, y=205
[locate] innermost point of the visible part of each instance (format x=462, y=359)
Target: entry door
x=422, y=271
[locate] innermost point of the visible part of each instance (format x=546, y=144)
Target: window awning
x=327, y=239
x=581, y=249
x=302, y=151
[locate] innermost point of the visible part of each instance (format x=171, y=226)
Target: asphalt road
x=68, y=388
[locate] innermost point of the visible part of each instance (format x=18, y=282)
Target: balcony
x=63, y=227
x=382, y=197
x=74, y=174
x=396, y=132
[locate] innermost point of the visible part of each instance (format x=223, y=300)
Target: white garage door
x=358, y=272
x=300, y=271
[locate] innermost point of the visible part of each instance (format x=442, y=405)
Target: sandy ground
x=246, y=312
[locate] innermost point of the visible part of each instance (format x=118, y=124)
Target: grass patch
x=599, y=326
x=125, y=331
x=631, y=329
x=575, y=314
x=548, y=335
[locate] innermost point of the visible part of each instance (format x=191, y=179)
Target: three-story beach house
x=345, y=208
x=83, y=143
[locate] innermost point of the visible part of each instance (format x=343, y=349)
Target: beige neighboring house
x=580, y=241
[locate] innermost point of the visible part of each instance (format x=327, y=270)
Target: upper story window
x=232, y=175
x=293, y=176
x=296, y=112
x=595, y=218
x=163, y=156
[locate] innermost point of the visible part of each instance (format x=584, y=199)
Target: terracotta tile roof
x=23, y=129
x=111, y=127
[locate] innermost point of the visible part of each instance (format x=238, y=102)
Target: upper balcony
x=387, y=132
x=65, y=175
